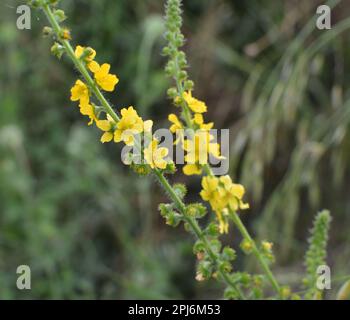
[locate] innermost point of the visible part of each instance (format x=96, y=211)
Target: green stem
x=181, y=90
x=243, y=230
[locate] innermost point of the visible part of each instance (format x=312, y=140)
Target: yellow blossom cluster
x=198, y=149
x=224, y=196
x=130, y=123
x=80, y=91
x=200, y=145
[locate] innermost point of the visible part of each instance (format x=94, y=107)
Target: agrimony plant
x=126, y=126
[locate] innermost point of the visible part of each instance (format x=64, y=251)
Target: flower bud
x=141, y=169
x=166, y=51
x=247, y=246
x=266, y=246
x=60, y=15
x=47, y=31
x=285, y=292
x=196, y=210
x=212, y=230
x=183, y=75
x=228, y=254
x=57, y=50
x=230, y=294
x=172, y=93
x=188, y=85
x=34, y=3
x=180, y=189
x=205, y=269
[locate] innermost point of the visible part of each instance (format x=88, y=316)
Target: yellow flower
x=210, y=193
x=94, y=66
x=232, y=194
x=80, y=92
x=199, y=120
x=108, y=127
x=147, y=126
x=194, y=104
x=129, y=125
x=222, y=195
x=192, y=169
x=210, y=188
x=103, y=78
x=176, y=127
x=87, y=109
x=154, y=156
x=90, y=53
x=176, y=124
x=198, y=149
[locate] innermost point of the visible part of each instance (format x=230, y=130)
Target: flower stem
x=243, y=230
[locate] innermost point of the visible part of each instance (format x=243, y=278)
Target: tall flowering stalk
x=224, y=196
x=127, y=126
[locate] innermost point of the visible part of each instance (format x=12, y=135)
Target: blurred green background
x=87, y=226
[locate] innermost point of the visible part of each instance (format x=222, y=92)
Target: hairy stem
x=243, y=230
